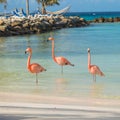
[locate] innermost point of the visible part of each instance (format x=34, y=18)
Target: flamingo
x=59, y=60
x=34, y=67
x=93, y=69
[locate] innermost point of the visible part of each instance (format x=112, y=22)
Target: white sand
x=34, y=107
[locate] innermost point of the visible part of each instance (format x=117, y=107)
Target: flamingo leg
x=36, y=79
x=61, y=69
x=94, y=78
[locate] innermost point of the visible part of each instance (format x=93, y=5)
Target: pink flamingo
x=59, y=60
x=93, y=69
x=34, y=67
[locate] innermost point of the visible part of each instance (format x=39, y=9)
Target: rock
x=59, y=25
x=101, y=20
x=16, y=23
x=110, y=20
x=57, y=19
x=51, y=21
x=65, y=21
x=2, y=22
x=82, y=19
x=117, y=19
x=13, y=26
x=3, y=28
x=25, y=25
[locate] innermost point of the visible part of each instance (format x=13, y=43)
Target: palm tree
x=3, y=1
x=45, y=3
x=27, y=7
x=5, y=5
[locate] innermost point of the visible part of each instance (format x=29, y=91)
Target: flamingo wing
x=96, y=70
x=36, y=68
x=62, y=61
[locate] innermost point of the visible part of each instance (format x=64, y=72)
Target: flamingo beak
x=88, y=49
x=50, y=38
x=25, y=52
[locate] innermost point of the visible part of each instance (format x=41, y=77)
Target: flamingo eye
x=88, y=49
x=26, y=52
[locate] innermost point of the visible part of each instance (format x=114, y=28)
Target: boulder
x=25, y=25
x=16, y=23
x=101, y=20
x=110, y=20
x=38, y=24
x=3, y=28
x=116, y=19
x=2, y=22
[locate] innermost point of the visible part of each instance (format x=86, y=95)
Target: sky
x=76, y=5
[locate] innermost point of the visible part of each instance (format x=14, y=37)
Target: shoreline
x=9, y=97
x=49, y=99
x=34, y=107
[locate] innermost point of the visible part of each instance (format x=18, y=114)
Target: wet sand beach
x=34, y=107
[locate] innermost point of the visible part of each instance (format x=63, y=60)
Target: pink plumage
x=93, y=69
x=34, y=67
x=62, y=61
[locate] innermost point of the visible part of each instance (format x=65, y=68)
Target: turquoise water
x=93, y=15
x=103, y=39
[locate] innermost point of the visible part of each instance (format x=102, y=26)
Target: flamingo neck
x=89, y=59
x=53, y=52
x=28, y=61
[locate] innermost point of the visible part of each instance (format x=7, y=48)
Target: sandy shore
x=34, y=107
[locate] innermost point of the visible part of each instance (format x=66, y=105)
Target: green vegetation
x=3, y=1
x=45, y=3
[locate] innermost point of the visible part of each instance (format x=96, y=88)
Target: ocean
x=102, y=38
x=94, y=15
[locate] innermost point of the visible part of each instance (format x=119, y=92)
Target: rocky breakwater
x=104, y=20
x=19, y=26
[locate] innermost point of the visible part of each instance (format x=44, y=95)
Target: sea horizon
x=93, y=15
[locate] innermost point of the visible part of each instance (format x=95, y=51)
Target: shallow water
x=103, y=39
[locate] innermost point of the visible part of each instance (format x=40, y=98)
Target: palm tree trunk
x=27, y=7
x=43, y=8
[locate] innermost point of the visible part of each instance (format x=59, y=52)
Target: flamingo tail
x=72, y=64
x=45, y=70
x=102, y=74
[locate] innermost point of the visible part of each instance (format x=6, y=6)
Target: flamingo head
x=88, y=49
x=28, y=50
x=51, y=38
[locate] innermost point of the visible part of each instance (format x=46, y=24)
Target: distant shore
x=104, y=20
